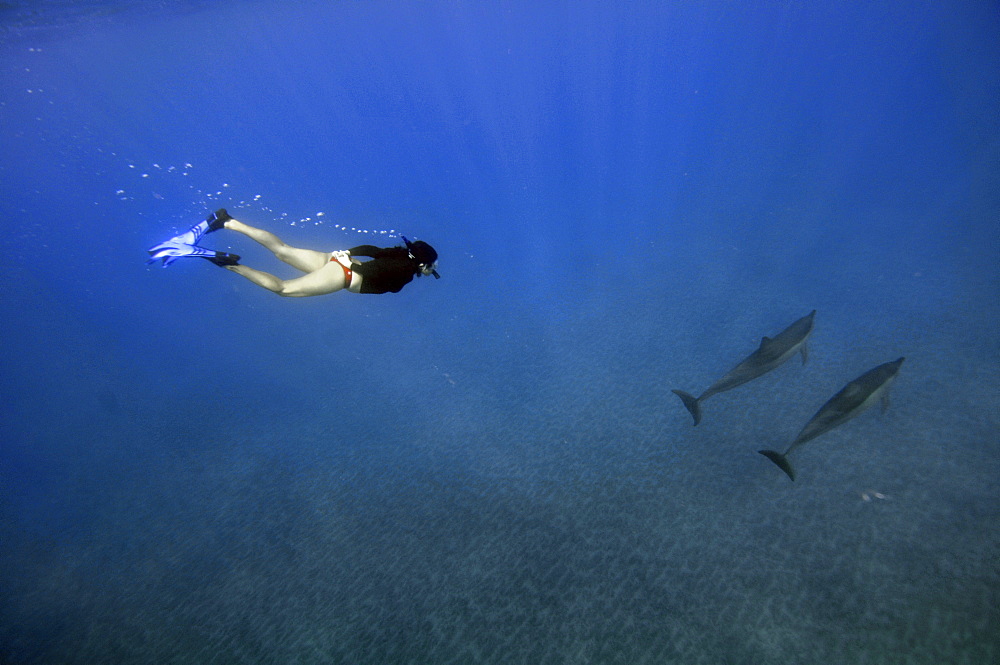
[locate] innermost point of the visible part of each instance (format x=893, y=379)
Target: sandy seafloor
x=490, y=468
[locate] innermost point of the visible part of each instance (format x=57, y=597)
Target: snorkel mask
x=424, y=255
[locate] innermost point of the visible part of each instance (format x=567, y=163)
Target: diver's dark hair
x=423, y=252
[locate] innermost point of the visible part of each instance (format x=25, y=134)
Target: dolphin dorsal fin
x=765, y=341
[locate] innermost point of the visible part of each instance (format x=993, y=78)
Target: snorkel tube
x=426, y=267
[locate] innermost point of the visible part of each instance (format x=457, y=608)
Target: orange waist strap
x=348, y=273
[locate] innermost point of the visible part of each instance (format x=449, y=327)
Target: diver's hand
x=343, y=257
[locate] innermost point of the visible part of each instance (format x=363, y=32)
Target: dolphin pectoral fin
x=885, y=401
x=805, y=353
x=780, y=460
x=691, y=404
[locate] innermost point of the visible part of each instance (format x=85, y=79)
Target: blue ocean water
x=491, y=467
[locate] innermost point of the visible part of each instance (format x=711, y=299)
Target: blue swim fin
x=213, y=222
x=171, y=250
x=186, y=244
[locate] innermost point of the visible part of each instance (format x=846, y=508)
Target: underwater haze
x=492, y=467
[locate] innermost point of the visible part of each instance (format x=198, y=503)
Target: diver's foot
x=223, y=259
x=213, y=222
x=217, y=220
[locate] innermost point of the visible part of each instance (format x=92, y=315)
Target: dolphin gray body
x=770, y=354
x=853, y=399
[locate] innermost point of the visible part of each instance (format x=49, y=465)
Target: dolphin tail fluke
x=780, y=460
x=691, y=404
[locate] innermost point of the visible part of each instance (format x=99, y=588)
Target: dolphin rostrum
x=853, y=399
x=770, y=354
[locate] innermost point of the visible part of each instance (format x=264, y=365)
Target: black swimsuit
x=390, y=269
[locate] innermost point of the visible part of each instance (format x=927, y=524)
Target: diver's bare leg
x=259, y=277
x=327, y=279
x=306, y=260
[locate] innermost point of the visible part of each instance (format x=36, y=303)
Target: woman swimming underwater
x=388, y=270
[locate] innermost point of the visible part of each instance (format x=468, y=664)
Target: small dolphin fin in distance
x=780, y=460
